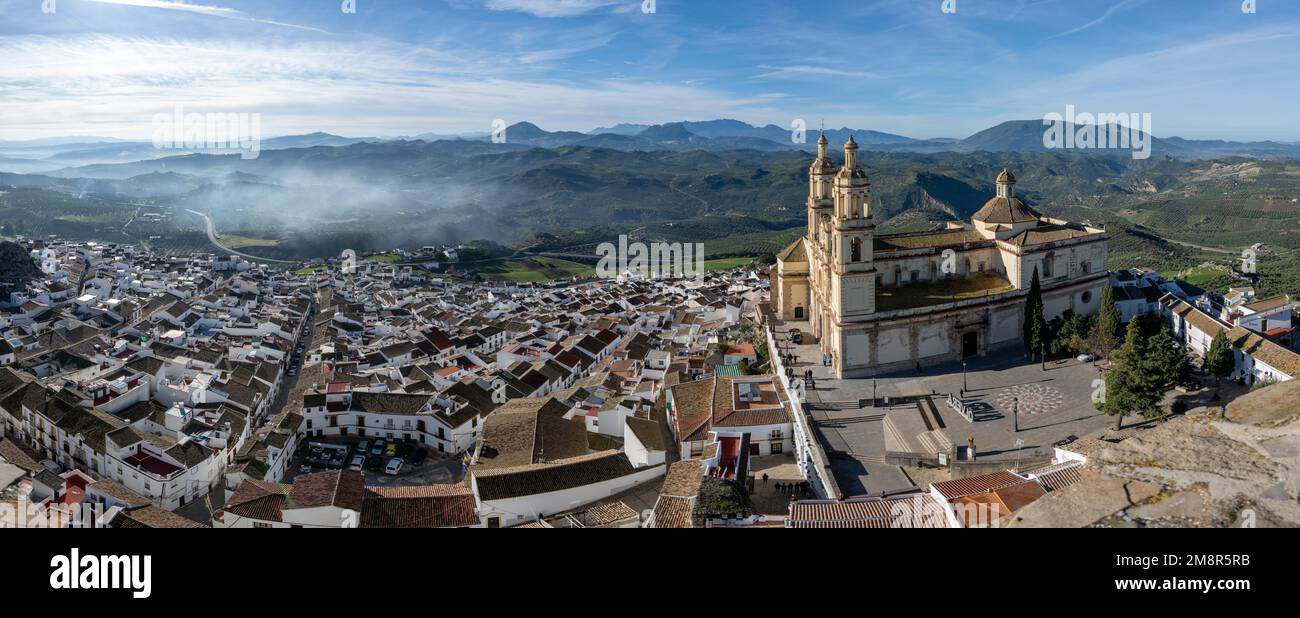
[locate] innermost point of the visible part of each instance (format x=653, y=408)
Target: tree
x=1076, y=334
x=16, y=269
x=1108, y=324
x=1035, y=326
x=1135, y=384
x=1220, y=359
x=1169, y=358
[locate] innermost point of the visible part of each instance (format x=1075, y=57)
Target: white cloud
x=114, y=86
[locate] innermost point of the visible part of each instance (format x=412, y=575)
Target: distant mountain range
x=1021, y=136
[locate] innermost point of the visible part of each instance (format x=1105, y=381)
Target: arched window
x=1047, y=265
x=855, y=250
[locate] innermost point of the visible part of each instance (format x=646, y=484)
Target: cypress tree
x=1035, y=326
x=1108, y=323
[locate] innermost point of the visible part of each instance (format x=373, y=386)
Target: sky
x=1202, y=68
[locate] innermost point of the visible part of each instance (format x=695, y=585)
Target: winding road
x=214, y=239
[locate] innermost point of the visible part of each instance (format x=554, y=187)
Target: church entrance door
x=970, y=345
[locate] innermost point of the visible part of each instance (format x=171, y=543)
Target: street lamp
x=964, y=386
x=1015, y=413
x=1044, y=355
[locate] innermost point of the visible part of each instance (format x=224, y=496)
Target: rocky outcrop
x=1199, y=470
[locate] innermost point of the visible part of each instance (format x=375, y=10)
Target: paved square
x=1053, y=404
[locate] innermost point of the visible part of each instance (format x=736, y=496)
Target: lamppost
x=964, y=386
x=1015, y=413
x=1044, y=355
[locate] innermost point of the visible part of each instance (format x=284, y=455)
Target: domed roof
x=1006, y=176
x=1006, y=210
x=822, y=140
x=852, y=145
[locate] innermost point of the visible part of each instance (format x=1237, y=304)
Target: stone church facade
x=878, y=303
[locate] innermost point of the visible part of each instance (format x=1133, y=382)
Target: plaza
x=871, y=428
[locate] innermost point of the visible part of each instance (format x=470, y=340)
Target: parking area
x=388, y=463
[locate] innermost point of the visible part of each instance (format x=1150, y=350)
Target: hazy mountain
x=620, y=129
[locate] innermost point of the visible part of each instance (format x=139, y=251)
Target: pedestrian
x=764, y=478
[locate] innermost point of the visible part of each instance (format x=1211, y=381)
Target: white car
x=394, y=466
x=1084, y=358
x=358, y=462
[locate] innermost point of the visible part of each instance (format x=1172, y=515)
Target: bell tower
x=821, y=178
x=854, y=281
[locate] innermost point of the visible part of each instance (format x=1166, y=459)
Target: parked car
x=1084, y=358
x=405, y=448
x=796, y=335
x=374, y=463
x=378, y=447
x=419, y=456
x=363, y=447
x=390, y=450
x=358, y=462
x=394, y=466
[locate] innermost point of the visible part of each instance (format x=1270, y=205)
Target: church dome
x=1006, y=176
x=1006, y=210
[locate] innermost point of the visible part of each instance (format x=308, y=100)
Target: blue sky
x=1202, y=68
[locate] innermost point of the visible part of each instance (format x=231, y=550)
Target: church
x=878, y=303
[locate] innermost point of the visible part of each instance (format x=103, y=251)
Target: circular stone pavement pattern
x=1033, y=398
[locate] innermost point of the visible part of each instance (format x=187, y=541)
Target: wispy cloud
x=558, y=8
x=795, y=71
x=1115, y=8
x=201, y=9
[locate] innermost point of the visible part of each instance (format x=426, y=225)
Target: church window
x=855, y=251
x=1047, y=265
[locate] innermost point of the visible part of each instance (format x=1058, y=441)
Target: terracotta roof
x=260, y=500
x=338, y=488
x=919, y=511
x=794, y=253
x=683, y=479
x=429, y=506
x=1006, y=210
x=674, y=512
x=527, y=480
x=970, y=486
x=648, y=432
x=153, y=517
